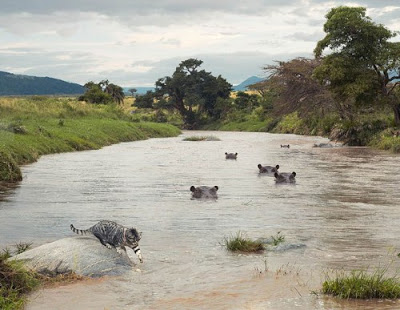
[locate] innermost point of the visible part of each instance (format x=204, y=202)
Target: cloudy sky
x=135, y=42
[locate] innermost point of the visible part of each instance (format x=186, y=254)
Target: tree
x=145, y=101
x=192, y=92
x=132, y=91
x=103, y=92
x=116, y=92
x=363, y=66
x=95, y=94
x=246, y=101
x=294, y=89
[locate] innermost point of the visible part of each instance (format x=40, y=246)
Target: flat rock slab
x=82, y=255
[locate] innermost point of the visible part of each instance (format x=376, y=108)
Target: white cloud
x=133, y=43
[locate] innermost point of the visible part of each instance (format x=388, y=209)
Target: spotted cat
x=114, y=235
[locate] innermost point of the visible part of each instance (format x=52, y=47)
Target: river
x=342, y=213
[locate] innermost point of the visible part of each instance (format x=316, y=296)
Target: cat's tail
x=79, y=231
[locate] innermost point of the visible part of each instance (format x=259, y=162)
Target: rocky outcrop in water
x=82, y=255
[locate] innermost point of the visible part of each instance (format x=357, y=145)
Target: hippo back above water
x=204, y=191
x=230, y=155
x=285, y=177
x=267, y=169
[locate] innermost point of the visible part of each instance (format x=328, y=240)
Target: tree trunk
x=396, y=110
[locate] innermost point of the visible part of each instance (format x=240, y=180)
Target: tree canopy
x=103, y=92
x=363, y=65
x=192, y=92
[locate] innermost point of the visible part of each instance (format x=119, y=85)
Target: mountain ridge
x=18, y=85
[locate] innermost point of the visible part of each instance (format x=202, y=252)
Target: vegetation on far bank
x=34, y=126
x=351, y=94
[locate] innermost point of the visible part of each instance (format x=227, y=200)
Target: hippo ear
x=236, y=154
x=216, y=187
x=275, y=174
x=226, y=153
x=259, y=166
x=277, y=166
x=293, y=174
x=192, y=188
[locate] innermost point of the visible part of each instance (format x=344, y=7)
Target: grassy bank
x=35, y=126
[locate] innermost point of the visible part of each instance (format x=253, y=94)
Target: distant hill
x=243, y=86
x=16, y=84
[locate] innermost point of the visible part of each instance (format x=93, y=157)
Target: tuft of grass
x=360, y=284
x=202, y=138
x=60, y=279
x=240, y=243
x=22, y=247
x=15, y=283
x=278, y=238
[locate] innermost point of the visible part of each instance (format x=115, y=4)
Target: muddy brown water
x=343, y=213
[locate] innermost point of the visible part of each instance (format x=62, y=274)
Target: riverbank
x=35, y=126
x=374, y=130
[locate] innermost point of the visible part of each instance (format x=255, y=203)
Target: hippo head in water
x=230, y=155
x=204, y=191
x=285, y=177
x=267, y=169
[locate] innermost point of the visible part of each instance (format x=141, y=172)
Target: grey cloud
x=365, y=3
x=305, y=36
x=138, y=7
x=234, y=67
x=72, y=68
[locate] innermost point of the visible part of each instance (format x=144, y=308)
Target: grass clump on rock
x=240, y=243
x=362, y=285
x=201, y=138
x=15, y=283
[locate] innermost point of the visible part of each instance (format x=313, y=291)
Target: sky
x=133, y=43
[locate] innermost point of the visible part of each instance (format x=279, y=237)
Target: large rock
x=82, y=255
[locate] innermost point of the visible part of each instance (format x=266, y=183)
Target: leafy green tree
x=95, y=94
x=363, y=65
x=133, y=91
x=116, y=92
x=145, y=101
x=103, y=92
x=246, y=101
x=192, y=92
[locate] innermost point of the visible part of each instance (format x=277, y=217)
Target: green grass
x=240, y=243
x=15, y=282
x=362, y=285
x=201, y=138
x=32, y=127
